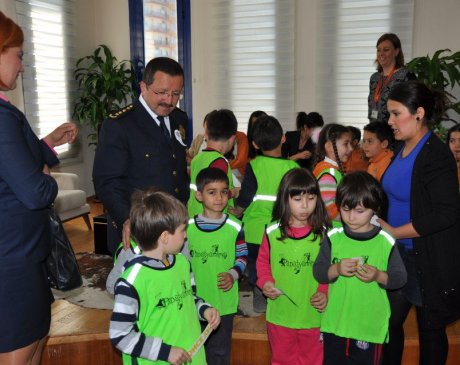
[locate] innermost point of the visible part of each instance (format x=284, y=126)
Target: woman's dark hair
x=455, y=128
x=396, y=42
x=330, y=133
x=298, y=182
x=153, y=212
x=315, y=119
x=414, y=95
x=301, y=120
x=360, y=187
x=252, y=153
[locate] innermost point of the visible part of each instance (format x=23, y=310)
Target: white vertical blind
x=255, y=57
x=349, y=30
x=48, y=62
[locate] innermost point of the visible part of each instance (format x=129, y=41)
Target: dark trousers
x=253, y=252
x=345, y=351
x=433, y=341
x=219, y=344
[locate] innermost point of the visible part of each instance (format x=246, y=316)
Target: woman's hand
x=304, y=155
x=405, y=231
x=65, y=133
x=386, y=227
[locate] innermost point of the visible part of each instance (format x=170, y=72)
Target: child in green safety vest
x=258, y=192
x=156, y=315
x=359, y=261
x=220, y=133
x=218, y=256
x=285, y=271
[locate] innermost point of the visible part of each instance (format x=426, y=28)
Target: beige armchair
x=70, y=202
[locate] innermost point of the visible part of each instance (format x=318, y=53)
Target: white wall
x=98, y=22
x=436, y=26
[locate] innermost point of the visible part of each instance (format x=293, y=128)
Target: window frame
x=136, y=26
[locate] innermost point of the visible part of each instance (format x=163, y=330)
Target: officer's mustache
x=166, y=105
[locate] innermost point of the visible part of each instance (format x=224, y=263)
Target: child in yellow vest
x=220, y=133
x=258, y=192
x=285, y=271
x=359, y=262
x=218, y=256
x=156, y=314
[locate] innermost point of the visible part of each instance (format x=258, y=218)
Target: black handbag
x=61, y=264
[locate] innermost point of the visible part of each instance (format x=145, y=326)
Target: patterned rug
x=94, y=270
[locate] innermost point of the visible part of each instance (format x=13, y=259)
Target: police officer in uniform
x=141, y=146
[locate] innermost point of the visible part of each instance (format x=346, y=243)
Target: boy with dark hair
x=357, y=160
x=218, y=256
x=258, y=192
x=378, y=137
x=155, y=312
x=220, y=132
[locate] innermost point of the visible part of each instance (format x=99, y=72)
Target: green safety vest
x=356, y=309
x=166, y=306
x=291, y=262
x=213, y=252
x=268, y=172
x=327, y=168
x=202, y=161
x=132, y=246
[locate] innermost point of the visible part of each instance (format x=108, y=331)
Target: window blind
x=255, y=58
x=349, y=30
x=49, y=63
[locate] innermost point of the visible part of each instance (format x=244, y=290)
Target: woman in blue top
x=424, y=216
x=26, y=192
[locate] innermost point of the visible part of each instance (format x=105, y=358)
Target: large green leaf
x=441, y=72
x=104, y=85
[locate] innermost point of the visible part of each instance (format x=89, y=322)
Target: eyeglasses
x=163, y=94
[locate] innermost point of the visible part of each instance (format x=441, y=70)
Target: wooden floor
x=79, y=336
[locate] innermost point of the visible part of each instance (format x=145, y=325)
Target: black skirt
x=25, y=305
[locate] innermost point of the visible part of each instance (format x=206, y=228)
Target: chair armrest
x=66, y=180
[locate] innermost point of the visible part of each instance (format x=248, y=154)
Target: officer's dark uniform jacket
x=133, y=153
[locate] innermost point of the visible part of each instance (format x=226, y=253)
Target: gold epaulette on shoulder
x=121, y=112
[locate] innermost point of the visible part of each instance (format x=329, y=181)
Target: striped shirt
x=123, y=331
x=328, y=184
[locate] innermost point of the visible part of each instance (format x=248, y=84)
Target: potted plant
x=105, y=84
x=441, y=72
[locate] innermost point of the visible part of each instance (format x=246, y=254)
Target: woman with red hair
x=26, y=193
